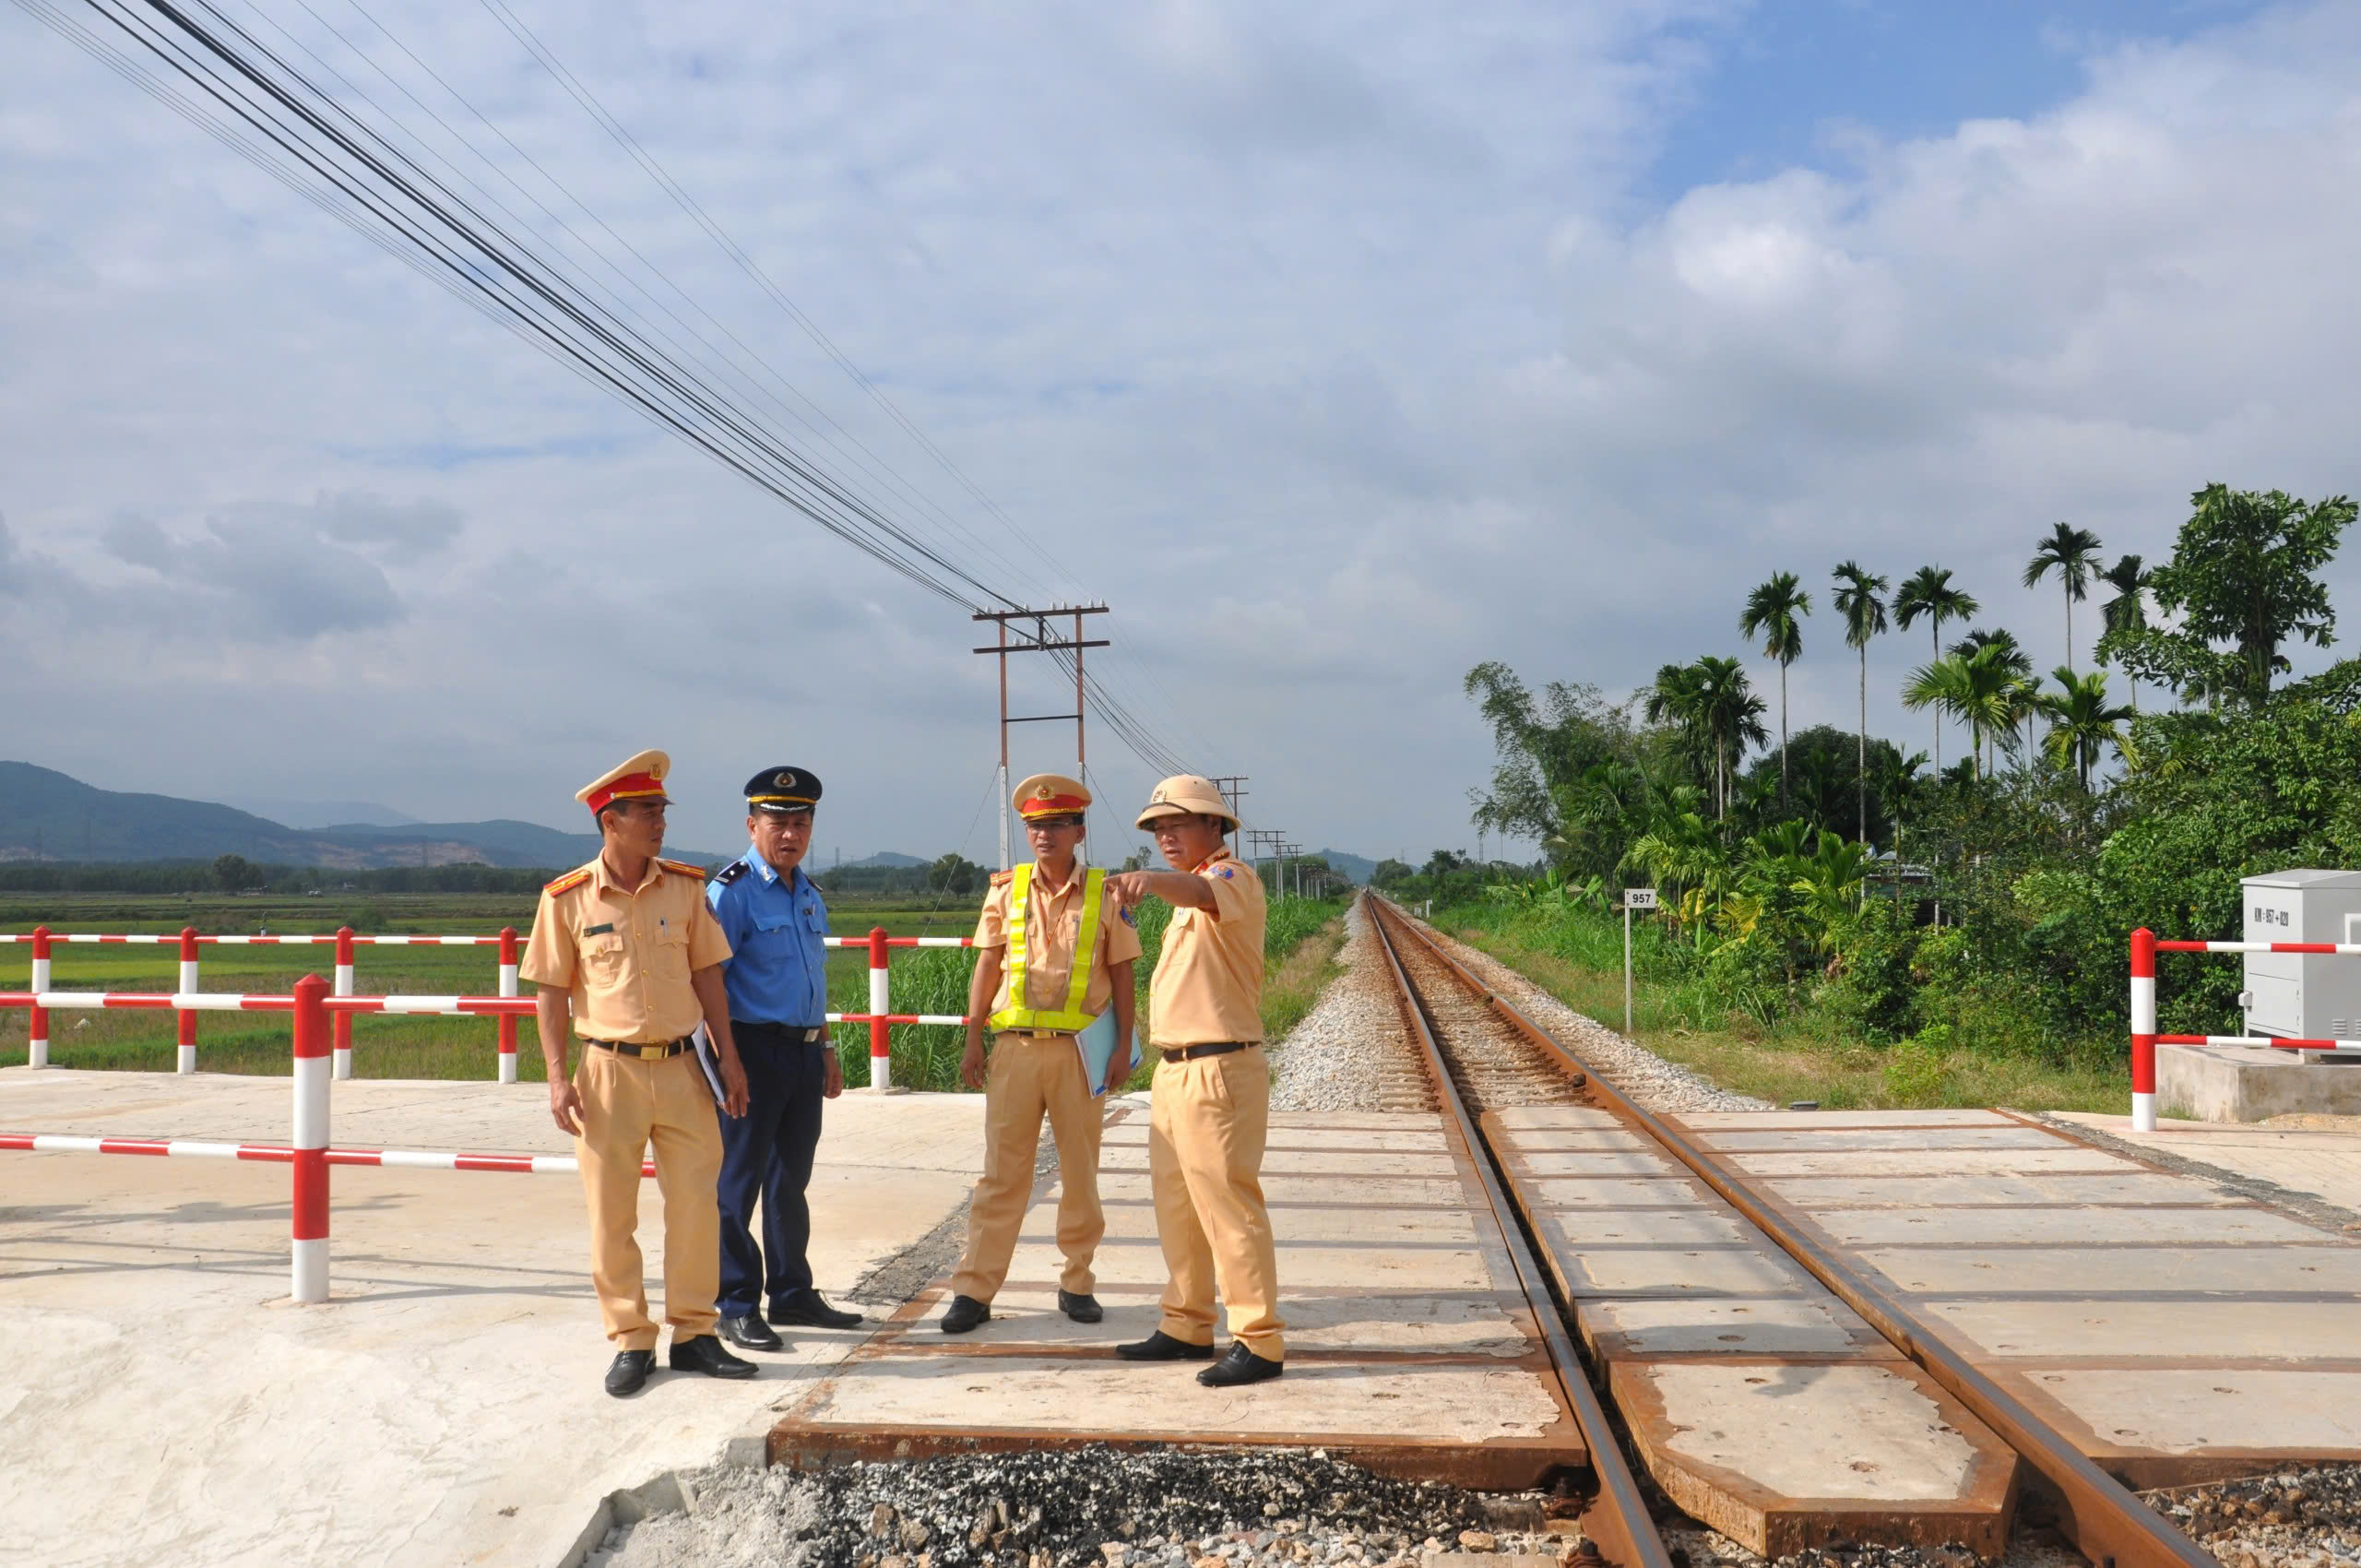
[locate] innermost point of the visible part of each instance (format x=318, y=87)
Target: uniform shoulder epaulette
x=683, y=868
x=1002, y=878
x=732, y=873
x=570, y=880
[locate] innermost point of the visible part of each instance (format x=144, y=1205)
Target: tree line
x=1828, y=857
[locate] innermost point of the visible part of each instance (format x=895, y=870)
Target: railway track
x=1483, y=1055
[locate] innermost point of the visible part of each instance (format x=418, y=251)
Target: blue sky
x=1340, y=347
x=1790, y=83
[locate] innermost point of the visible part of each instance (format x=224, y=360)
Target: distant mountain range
x=47, y=816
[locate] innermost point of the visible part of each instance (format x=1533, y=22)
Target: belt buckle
x=653, y=1052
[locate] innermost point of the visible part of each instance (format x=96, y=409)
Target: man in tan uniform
x=1035, y=920
x=1211, y=1111
x=625, y=950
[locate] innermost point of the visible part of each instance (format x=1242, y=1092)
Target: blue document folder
x=1097, y=1043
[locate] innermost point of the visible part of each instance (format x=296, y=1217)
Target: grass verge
x=1793, y=1060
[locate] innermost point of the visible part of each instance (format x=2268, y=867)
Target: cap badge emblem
x=784, y=780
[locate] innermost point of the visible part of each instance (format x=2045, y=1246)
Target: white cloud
x=1339, y=353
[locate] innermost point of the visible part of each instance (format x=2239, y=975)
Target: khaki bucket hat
x=1184, y=794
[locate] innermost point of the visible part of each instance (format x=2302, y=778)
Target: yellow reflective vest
x=1070, y=1018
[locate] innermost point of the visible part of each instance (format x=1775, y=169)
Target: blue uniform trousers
x=768, y=1151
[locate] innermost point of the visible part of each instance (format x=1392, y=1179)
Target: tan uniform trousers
x=626, y=1105
x=1207, y=1123
x=1028, y=1077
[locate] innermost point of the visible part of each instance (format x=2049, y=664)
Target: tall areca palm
x=1774, y=612
x=1928, y=591
x=1731, y=715
x=2016, y=705
x=1676, y=698
x=2126, y=613
x=2081, y=724
x=1858, y=600
x=2074, y=553
x=1972, y=687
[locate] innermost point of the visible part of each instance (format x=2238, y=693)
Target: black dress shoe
x=1239, y=1367
x=628, y=1375
x=1162, y=1347
x=704, y=1354
x=963, y=1313
x=1082, y=1309
x=750, y=1332
x=808, y=1309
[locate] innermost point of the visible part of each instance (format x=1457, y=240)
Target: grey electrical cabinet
x=2303, y=995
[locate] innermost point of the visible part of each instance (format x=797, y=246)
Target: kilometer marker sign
x=1634, y=899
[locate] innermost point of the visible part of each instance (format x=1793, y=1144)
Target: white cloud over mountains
x=1339, y=354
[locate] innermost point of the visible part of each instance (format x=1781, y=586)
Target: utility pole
x=1262, y=838
x=1231, y=788
x=1042, y=641
x=1297, y=850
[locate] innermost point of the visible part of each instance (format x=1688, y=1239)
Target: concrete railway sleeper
x=2108, y=1524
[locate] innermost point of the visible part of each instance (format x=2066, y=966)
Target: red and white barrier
x=310, y=1142
x=37, y=1028
x=187, y=1020
x=2144, y=1037
x=279, y=1154
x=508, y=987
x=308, y=1150
x=2144, y=1030
x=189, y=1000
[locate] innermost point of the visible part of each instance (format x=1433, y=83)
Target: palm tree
x=1928, y=591
x=1676, y=698
x=2075, y=552
x=1733, y=719
x=1974, y=687
x=2080, y=723
x=2017, y=684
x=1774, y=612
x=2127, y=613
x=1856, y=599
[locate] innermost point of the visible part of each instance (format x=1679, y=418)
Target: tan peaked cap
x=640, y=778
x=1051, y=794
x=1184, y=794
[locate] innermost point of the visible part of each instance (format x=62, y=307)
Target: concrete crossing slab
x=1410, y=1347
x=2179, y=1330
x=1759, y=1402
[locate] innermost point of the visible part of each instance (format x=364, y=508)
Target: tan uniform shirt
x=626, y=953
x=1208, y=982
x=1053, y=926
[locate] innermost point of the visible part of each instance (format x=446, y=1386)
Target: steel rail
x=1617, y=1520
x=2111, y=1527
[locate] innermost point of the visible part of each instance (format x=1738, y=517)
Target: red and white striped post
x=37, y=1028
x=309, y=1143
x=881, y=1049
x=508, y=1020
x=188, y=987
x=342, y=1026
x=2144, y=1030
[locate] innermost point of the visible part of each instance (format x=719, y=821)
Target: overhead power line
x=383, y=180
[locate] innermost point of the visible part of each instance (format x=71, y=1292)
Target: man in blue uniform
x=777, y=979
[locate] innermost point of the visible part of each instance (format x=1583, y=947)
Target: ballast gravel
x=1648, y=1079
x=2297, y=1517
x=1091, y=1507
x=1349, y=1052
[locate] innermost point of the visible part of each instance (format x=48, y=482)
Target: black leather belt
x=644, y=1052
x=794, y=1034
x=1216, y=1048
